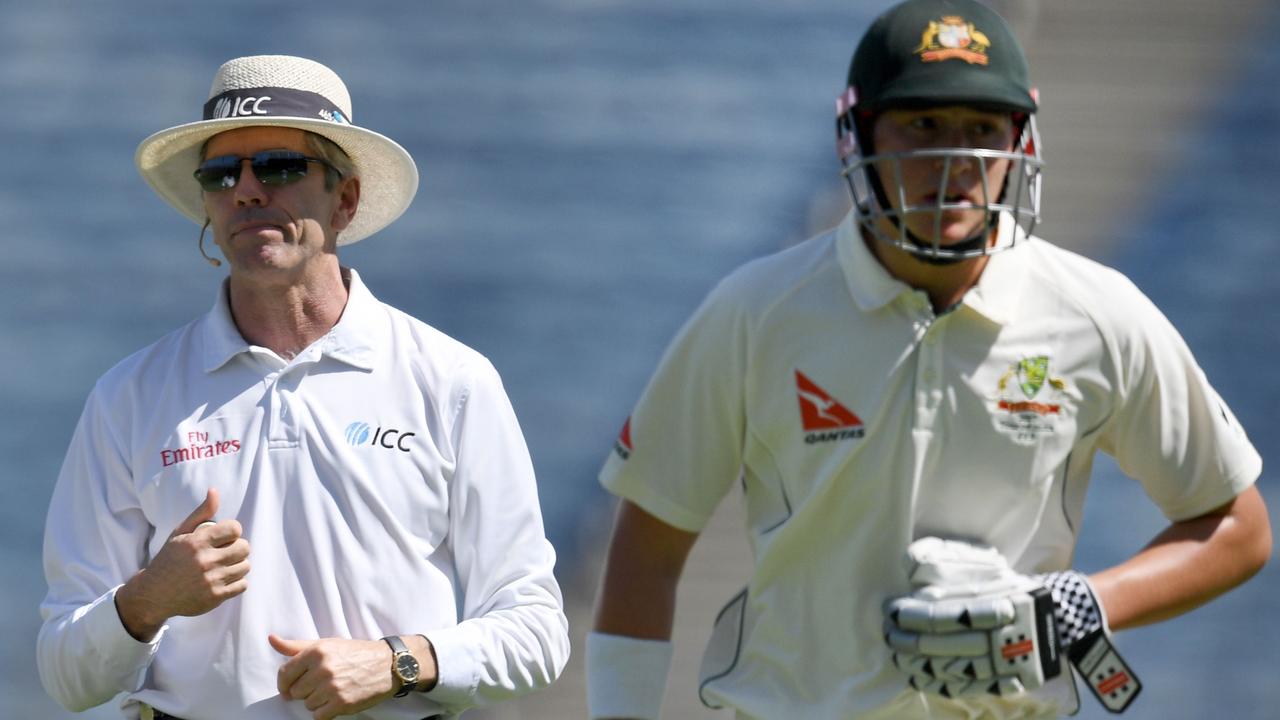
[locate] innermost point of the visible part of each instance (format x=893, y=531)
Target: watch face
x=407, y=668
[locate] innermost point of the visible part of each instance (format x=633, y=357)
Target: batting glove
x=975, y=626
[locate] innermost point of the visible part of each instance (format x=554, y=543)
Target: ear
x=348, y=200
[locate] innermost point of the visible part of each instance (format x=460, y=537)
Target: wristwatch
x=404, y=666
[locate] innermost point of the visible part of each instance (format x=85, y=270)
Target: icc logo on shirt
x=359, y=433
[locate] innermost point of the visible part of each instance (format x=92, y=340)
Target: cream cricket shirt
x=856, y=421
x=376, y=475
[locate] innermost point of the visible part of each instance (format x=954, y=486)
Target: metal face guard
x=877, y=197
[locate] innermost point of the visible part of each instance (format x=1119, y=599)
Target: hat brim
x=388, y=175
x=976, y=89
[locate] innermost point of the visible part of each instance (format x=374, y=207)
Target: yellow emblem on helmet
x=953, y=38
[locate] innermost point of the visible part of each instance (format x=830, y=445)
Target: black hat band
x=272, y=102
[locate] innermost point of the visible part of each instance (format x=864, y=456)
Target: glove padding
x=973, y=625
x=1083, y=632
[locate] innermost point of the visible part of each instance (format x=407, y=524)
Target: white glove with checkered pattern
x=975, y=626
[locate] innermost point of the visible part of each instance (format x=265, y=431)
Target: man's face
x=273, y=231
x=928, y=181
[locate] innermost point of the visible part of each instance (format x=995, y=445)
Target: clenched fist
x=334, y=676
x=202, y=565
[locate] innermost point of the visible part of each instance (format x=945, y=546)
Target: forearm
x=636, y=608
x=645, y=561
x=1188, y=564
x=629, y=654
x=141, y=619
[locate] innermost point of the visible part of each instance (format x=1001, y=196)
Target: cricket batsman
x=911, y=403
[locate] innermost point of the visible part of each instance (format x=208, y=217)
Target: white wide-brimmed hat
x=283, y=91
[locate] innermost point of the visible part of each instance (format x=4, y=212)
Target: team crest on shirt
x=1029, y=400
x=822, y=417
x=952, y=38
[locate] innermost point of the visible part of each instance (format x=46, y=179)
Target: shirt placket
x=283, y=419
x=926, y=393
x=928, y=379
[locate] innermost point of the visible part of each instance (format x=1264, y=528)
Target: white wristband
x=626, y=676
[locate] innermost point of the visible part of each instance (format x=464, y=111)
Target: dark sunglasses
x=271, y=167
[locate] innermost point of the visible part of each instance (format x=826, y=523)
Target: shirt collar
x=870, y=284
x=995, y=296
x=351, y=340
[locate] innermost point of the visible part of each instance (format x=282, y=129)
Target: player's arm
x=975, y=626
x=1173, y=433
x=679, y=454
x=629, y=650
x=646, y=558
x=1188, y=564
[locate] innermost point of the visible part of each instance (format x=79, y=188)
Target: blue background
x=589, y=170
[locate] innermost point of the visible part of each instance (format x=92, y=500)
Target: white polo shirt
x=377, y=475
x=857, y=420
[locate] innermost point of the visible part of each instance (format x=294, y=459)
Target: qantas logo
x=622, y=445
x=823, y=417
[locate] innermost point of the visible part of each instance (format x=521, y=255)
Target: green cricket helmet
x=933, y=53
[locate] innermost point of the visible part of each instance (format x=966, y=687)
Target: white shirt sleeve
x=513, y=637
x=95, y=539
x=1171, y=430
x=687, y=432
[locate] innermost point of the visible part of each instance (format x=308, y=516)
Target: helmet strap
x=974, y=242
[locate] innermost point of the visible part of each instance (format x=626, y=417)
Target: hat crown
x=941, y=52
x=289, y=92
x=282, y=71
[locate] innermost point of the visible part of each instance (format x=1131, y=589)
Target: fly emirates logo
x=199, y=447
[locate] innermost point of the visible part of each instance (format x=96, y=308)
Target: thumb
x=286, y=647
x=203, y=513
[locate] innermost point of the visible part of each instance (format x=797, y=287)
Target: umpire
x=368, y=467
